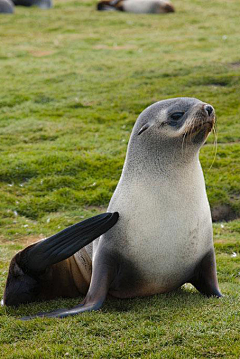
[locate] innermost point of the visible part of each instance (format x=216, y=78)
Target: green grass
x=73, y=82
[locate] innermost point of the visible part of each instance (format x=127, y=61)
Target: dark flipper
x=36, y=258
x=104, y=272
x=205, y=278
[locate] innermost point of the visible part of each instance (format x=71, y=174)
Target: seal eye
x=176, y=116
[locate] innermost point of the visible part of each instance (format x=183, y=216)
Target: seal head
x=177, y=118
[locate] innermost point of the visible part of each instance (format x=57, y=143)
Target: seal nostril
x=209, y=109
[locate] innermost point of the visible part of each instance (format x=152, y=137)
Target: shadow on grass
x=180, y=299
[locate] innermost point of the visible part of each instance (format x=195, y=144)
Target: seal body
x=147, y=6
x=43, y=4
x=137, y=6
x=164, y=229
x=165, y=225
x=6, y=7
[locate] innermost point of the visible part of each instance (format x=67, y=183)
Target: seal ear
x=144, y=128
x=37, y=257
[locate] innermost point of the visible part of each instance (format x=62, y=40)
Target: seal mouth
x=207, y=126
x=202, y=123
x=200, y=127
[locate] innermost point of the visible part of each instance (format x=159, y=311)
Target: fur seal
x=163, y=237
x=6, y=7
x=137, y=6
x=43, y=4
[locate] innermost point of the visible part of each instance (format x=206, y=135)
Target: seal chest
x=165, y=223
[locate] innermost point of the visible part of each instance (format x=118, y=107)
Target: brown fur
x=58, y=281
x=169, y=8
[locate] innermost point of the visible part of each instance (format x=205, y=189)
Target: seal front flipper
x=62, y=245
x=205, y=278
x=104, y=272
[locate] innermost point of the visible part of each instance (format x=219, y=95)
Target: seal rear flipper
x=205, y=278
x=36, y=258
x=104, y=272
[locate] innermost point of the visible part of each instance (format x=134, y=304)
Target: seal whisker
x=184, y=137
x=214, y=130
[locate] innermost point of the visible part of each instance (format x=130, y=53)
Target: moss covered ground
x=73, y=81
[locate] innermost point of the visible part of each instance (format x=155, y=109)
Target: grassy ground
x=73, y=82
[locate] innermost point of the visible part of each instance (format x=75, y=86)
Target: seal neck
x=166, y=158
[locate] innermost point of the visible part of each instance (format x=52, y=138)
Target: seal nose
x=209, y=109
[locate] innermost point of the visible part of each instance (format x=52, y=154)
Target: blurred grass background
x=73, y=81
